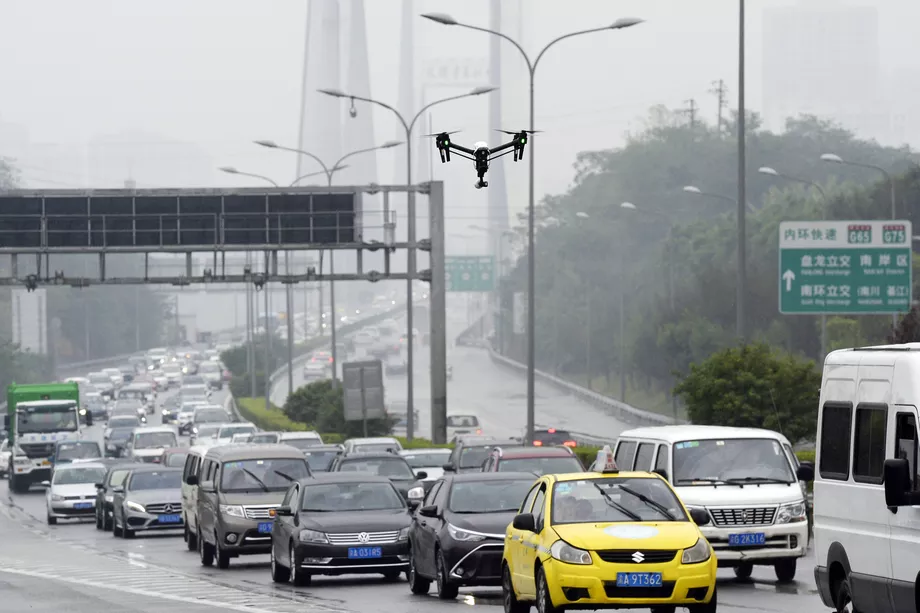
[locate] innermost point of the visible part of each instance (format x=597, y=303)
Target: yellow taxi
x=607, y=540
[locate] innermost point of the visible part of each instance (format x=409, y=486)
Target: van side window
x=834, y=462
x=644, y=456
x=869, y=443
x=187, y=469
x=906, y=444
x=661, y=463
x=626, y=452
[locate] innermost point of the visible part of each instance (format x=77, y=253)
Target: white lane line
x=138, y=592
x=136, y=559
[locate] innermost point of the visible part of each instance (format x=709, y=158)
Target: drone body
x=481, y=154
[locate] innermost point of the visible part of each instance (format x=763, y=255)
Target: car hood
x=732, y=495
x=357, y=521
x=490, y=523
x=75, y=489
x=149, y=496
x=252, y=498
x=622, y=535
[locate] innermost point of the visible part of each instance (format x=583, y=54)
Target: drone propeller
x=519, y=131
x=440, y=133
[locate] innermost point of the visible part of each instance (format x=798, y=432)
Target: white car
x=316, y=370
x=160, y=378
x=148, y=444
x=5, y=457
x=116, y=376
x=430, y=461
x=71, y=493
x=228, y=431
x=462, y=424
x=301, y=440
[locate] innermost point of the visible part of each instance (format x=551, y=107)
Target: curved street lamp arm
x=431, y=104
x=255, y=176
x=338, y=164
x=306, y=176
x=533, y=68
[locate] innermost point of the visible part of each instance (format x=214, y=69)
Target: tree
x=908, y=329
x=754, y=386
x=321, y=405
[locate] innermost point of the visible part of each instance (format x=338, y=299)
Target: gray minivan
x=239, y=488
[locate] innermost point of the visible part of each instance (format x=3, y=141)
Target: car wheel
x=127, y=532
x=222, y=557
x=280, y=574
x=744, y=570
x=509, y=600
x=99, y=519
x=51, y=520
x=417, y=583
x=298, y=577
x=192, y=539
x=446, y=589
x=709, y=607
x=205, y=551
x=843, y=600
x=785, y=570
x=116, y=531
x=544, y=599
x=106, y=521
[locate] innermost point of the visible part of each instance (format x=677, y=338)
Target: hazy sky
x=219, y=73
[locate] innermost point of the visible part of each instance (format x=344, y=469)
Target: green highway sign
x=844, y=267
x=469, y=273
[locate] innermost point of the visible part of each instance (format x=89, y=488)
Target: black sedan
x=340, y=523
x=458, y=534
x=114, y=477
x=383, y=464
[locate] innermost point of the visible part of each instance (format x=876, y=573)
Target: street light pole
x=741, y=284
x=410, y=211
x=531, y=232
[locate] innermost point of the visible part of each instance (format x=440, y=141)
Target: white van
x=190, y=494
x=747, y=479
x=867, y=490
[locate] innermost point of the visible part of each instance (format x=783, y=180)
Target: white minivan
x=747, y=479
x=867, y=487
x=192, y=468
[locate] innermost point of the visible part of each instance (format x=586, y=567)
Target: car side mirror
x=448, y=468
x=661, y=473
x=118, y=489
x=421, y=475
x=6, y=422
x=806, y=471
x=898, y=484
x=207, y=487
x=413, y=504
x=699, y=516
x=524, y=521
x=89, y=418
x=191, y=480
x=284, y=511
x=45, y=484
x=429, y=511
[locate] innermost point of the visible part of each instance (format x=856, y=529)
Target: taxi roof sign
x=605, y=461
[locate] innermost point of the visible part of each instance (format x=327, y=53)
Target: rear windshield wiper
x=655, y=505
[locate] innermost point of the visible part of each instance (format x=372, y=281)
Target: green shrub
x=273, y=419
x=806, y=456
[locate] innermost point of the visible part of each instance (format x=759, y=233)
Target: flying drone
x=481, y=154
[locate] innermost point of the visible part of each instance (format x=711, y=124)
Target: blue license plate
x=265, y=527
x=170, y=519
x=747, y=540
x=83, y=505
x=638, y=579
x=360, y=553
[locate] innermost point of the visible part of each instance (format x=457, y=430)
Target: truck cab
x=35, y=428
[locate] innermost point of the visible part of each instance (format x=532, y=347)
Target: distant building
x=823, y=59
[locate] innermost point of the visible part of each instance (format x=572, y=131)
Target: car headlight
x=135, y=507
x=165, y=411
x=109, y=497
x=233, y=510
x=791, y=513
x=459, y=534
x=700, y=552
x=56, y=498
x=564, y=552
x=82, y=411
x=313, y=536
x=110, y=446
x=416, y=493
x=404, y=534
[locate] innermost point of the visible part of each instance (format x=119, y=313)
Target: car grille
x=260, y=512
x=363, y=538
x=752, y=516
x=79, y=497
x=664, y=591
x=38, y=450
x=167, y=508
x=637, y=556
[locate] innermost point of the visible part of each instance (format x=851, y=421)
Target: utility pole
x=721, y=93
x=691, y=112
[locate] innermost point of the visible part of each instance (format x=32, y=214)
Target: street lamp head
x=337, y=93
x=766, y=170
x=692, y=189
x=485, y=89
x=390, y=144
x=626, y=22
x=832, y=157
x=629, y=206
x=229, y=170
x=266, y=143
x=441, y=18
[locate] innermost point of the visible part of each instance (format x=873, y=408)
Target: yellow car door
x=526, y=580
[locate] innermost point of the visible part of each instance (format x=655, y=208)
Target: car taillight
x=538, y=443
x=570, y=444
x=157, y=460
x=478, y=431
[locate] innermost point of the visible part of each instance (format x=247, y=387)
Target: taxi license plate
x=173, y=518
x=638, y=579
x=747, y=540
x=265, y=527
x=359, y=553
x=83, y=505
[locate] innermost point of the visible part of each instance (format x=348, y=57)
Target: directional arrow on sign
x=788, y=277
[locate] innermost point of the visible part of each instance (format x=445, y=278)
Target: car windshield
x=154, y=440
x=492, y=496
x=117, y=477
x=427, y=458
x=206, y=431
x=540, y=466
x=52, y=418
x=229, y=431
x=393, y=468
x=271, y=474
x=172, y=368
x=75, y=475
x=375, y=447
x=319, y=461
x=121, y=434
x=78, y=451
x=211, y=416
x=176, y=460
x=127, y=404
x=123, y=422
x=189, y=393
x=730, y=460
x=262, y=439
x=302, y=443
x=208, y=367
x=126, y=394
x=462, y=421
x=339, y=497
x=100, y=379
x=190, y=380
x=614, y=499
x=155, y=480
x=473, y=457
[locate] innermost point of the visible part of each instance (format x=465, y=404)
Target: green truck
x=38, y=416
